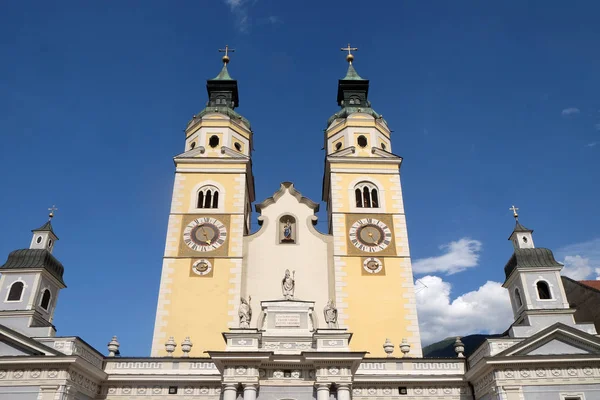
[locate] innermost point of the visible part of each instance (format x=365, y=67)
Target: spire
x=224, y=74
x=47, y=227
x=351, y=75
x=44, y=236
x=521, y=237
x=223, y=90
x=353, y=91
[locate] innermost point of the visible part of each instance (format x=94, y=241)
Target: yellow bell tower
x=210, y=213
x=375, y=293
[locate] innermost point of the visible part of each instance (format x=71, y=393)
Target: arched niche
x=287, y=229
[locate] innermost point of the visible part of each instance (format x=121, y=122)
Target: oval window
x=362, y=141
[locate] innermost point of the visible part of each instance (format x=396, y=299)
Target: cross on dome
x=52, y=210
x=226, y=50
x=514, y=210
x=349, y=49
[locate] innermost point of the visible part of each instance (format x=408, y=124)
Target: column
x=229, y=391
x=343, y=391
x=322, y=391
x=250, y=391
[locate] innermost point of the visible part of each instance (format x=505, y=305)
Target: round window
x=382, y=146
x=192, y=145
x=524, y=239
x=338, y=146
x=39, y=239
x=238, y=146
x=49, y=242
x=213, y=141
x=362, y=141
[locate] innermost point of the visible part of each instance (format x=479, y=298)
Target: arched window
x=518, y=300
x=16, y=291
x=366, y=195
x=543, y=290
x=208, y=197
x=46, y=296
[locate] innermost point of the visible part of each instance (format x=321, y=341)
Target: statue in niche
x=288, y=284
x=331, y=315
x=245, y=312
x=287, y=225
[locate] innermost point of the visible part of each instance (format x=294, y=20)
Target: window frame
x=193, y=205
x=370, y=187
x=6, y=300
x=550, y=291
x=44, y=291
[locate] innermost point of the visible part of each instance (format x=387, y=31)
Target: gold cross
x=52, y=209
x=349, y=49
x=514, y=210
x=226, y=50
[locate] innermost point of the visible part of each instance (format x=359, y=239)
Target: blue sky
x=491, y=104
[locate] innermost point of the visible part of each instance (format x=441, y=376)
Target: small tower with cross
x=44, y=236
x=30, y=282
x=535, y=287
x=521, y=237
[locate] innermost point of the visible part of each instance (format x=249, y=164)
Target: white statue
x=288, y=284
x=245, y=312
x=331, y=315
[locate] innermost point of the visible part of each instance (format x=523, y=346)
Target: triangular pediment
x=13, y=343
x=555, y=340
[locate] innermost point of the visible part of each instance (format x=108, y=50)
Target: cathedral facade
x=296, y=314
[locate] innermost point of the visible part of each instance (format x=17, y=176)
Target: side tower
x=373, y=274
x=30, y=283
x=210, y=212
x=536, y=290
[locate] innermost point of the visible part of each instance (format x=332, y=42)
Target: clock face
x=370, y=235
x=205, y=234
x=373, y=265
x=202, y=267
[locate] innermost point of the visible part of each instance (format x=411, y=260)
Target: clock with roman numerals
x=205, y=234
x=370, y=235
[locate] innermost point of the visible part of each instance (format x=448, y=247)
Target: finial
x=52, y=209
x=404, y=347
x=170, y=346
x=459, y=348
x=186, y=347
x=349, y=49
x=226, y=50
x=514, y=210
x=388, y=347
x=113, y=347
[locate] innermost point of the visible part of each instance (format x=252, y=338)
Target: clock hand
x=371, y=236
x=205, y=235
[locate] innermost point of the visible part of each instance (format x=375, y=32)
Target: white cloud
x=581, y=260
x=593, y=144
x=576, y=267
x=274, y=19
x=458, y=256
x=570, y=111
x=240, y=11
x=485, y=310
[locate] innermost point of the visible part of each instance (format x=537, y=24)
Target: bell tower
x=30, y=283
x=372, y=269
x=210, y=212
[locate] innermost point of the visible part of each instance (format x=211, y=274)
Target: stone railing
x=74, y=346
x=407, y=367
x=160, y=366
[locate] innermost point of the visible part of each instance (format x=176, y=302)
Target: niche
x=287, y=229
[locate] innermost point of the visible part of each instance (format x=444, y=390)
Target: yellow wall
x=376, y=307
x=199, y=307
